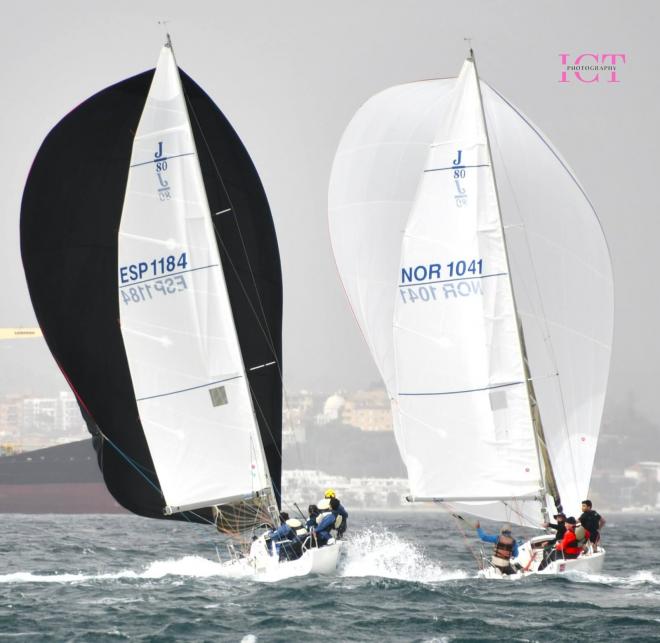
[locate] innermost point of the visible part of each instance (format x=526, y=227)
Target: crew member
x=568, y=547
x=560, y=530
x=592, y=521
x=328, y=519
x=313, y=512
x=559, y=526
x=285, y=538
x=329, y=494
x=505, y=549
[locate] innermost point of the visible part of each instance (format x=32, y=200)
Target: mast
x=548, y=482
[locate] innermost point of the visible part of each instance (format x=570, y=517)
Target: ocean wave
x=639, y=578
x=187, y=566
x=384, y=554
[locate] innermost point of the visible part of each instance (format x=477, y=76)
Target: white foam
x=640, y=577
x=383, y=554
x=191, y=566
x=188, y=566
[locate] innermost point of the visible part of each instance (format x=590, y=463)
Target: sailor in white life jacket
x=504, y=550
x=328, y=519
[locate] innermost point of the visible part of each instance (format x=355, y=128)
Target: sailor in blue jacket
x=330, y=494
x=330, y=519
x=313, y=511
x=505, y=548
x=284, y=536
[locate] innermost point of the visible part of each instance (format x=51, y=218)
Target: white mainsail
x=176, y=319
x=419, y=247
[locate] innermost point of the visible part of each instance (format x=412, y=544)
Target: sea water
x=406, y=576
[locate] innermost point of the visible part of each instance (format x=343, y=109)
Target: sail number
x=454, y=279
x=159, y=288
x=447, y=290
x=150, y=269
x=435, y=271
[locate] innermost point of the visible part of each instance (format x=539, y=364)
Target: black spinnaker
x=70, y=216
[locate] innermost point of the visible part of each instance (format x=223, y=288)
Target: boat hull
x=264, y=565
x=530, y=556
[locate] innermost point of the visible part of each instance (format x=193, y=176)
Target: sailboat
x=153, y=267
x=481, y=280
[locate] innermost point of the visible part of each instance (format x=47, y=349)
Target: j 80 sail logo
x=591, y=67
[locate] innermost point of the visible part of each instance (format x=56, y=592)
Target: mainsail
x=176, y=320
x=177, y=371
x=462, y=296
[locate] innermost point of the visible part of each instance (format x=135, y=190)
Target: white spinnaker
x=374, y=181
x=562, y=276
x=177, y=325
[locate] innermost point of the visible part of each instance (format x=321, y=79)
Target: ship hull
x=60, y=479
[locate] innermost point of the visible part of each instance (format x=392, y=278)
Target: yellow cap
x=330, y=493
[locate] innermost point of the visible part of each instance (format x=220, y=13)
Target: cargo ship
x=60, y=479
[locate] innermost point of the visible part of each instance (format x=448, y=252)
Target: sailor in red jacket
x=568, y=547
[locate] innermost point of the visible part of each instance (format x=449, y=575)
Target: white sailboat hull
x=587, y=563
x=530, y=557
x=265, y=565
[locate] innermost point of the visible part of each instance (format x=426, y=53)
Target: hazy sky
x=290, y=75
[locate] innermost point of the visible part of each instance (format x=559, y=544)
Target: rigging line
x=185, y=390
x=456, y=167
x=267, y=336
x=266, y=330
x=519, y=513
x=233, y=209
x=452, y=511
x=265, y=419
x=132, y=462
x=165, y=158
x=547, y=338
x=444, y=281
x=204, y=518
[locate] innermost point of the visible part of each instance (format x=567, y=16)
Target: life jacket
x=581, y=536
x=321, y=516
x=502, y=551
x=297, y=526
x=570, y=544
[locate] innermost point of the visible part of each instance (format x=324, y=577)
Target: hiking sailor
x=505, y=548
x=328, y=519
x=329, y=494
x=592, y=521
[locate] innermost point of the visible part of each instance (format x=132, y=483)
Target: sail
x=562, y=277
x=380, y=193
x=70, y=216
x=187, y=371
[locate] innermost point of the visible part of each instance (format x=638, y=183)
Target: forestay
x=419, y=247
x=177, y=325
